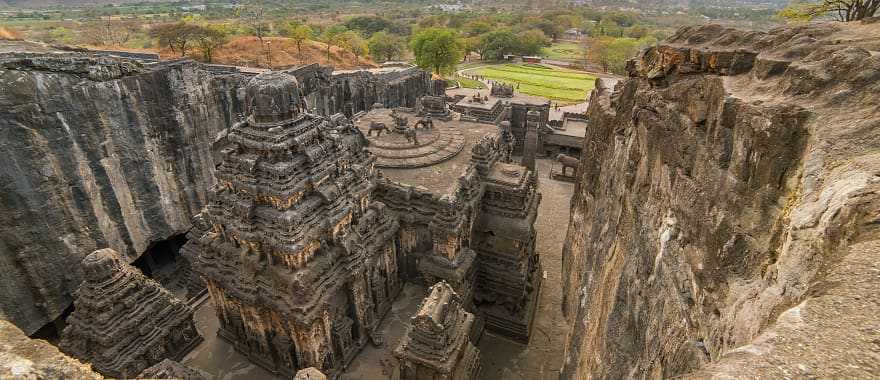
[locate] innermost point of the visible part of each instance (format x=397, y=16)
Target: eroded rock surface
x=25, y=358
x=726, y=199
x=97, y=156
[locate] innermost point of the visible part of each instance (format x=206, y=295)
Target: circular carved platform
x=393, y=150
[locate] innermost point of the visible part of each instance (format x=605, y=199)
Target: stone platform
x=392, y=150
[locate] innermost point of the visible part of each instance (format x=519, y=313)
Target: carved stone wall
x=518, y=119
x=299, y=261
x=479, y=237
x=437, y=344
x=354, y=91
x=124, y=322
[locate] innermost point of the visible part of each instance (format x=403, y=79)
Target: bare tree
x=254, y=14
x=210, y=38
x=843, y=10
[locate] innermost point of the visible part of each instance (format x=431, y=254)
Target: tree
x=331, y=37
x=299, y=34
x=477, y=27
x=369, y=25
x=612, y=53
x=439, y=49
x=497, y=44
x=209, y=38
x=473, y=45
x=550, y=28
x=843, y=10
x=596, y=51
x=621, y=50
x=532, y=41
x=254, y=16
x=353, y=42
x=385, y=46
x=175, y=36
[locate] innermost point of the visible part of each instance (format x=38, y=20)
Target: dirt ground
x=501, y=359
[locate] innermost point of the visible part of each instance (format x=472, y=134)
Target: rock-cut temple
x=299, y=261
x=304, y=245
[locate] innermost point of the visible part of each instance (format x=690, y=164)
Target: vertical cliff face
x=724, y=184
x=97, y=153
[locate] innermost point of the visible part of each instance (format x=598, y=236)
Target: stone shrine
x=435, y=107
x=502, y=90
x=299, y=262
x=437, y=345
x=124, y=322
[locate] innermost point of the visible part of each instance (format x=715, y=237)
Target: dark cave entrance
x=51, y=332
x=160, y=255
x=162, y=262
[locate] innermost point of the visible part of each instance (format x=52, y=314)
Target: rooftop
x=573, y=127
x=440, y=176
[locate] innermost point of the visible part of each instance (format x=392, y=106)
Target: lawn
x=563, y=50
x=563, y=85
x=469, y=83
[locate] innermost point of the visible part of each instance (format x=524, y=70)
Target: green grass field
x=562, y=85
x=469, y=83
x=563, y=50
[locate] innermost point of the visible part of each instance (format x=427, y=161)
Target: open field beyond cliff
x=539, y=80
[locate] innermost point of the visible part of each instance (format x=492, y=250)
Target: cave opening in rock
x=51, y=332
x=161, y=263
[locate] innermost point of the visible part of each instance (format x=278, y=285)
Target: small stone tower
x=437, y=345
x=530, y=147
x=124, y=322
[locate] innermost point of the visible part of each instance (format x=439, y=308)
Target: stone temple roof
x=273, y=97
x=439, y=330
x=122, y=319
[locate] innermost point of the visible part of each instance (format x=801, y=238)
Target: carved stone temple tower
x=437, y=345
x=300, y=264
x=124, y=322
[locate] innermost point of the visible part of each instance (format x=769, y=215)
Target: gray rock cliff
x=97, y=152
x=727, y=210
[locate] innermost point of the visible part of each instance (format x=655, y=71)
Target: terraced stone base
x=393, y=150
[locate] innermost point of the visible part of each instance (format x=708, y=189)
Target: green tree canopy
x=176, y=36
x=353, y=42
x=499, y=43
x=439, y=49
x=210, y=38
x=385, y=46
x=369, y=25
x=532, y=41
